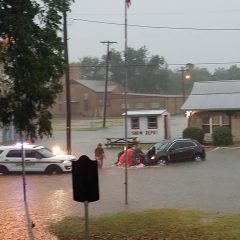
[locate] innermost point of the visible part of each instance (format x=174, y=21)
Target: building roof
x=153, y=95
x=214, y=95
x=146, y=112
x=97, y=85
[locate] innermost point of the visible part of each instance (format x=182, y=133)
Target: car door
x=188, y=148
x=32, y=162
x=175, y=152
x=13, y=159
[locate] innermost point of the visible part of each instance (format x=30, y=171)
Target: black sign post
x=85, y=184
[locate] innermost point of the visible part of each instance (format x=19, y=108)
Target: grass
x=163, y=224
x=59, y=124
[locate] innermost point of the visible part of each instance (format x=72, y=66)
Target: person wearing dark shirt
x=99, y=155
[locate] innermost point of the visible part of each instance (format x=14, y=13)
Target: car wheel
x=53, y=169
x=3, y=170
x=162, y=161
x=198, y=157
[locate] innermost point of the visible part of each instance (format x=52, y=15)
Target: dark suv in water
x=175, y=150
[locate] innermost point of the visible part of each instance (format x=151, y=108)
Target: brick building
x=87, y=99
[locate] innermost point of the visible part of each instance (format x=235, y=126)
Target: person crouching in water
x=135, y=157
x=123, y=156
x=99, y=155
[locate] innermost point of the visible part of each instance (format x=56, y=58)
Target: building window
x=135, y=123
x=74, y=107
x=140, y=106
x=123, y=106
x=152, y=122
x=210, y=123
x=85, y=105
x=155, y=105
x=85, y=102
x=85, y=96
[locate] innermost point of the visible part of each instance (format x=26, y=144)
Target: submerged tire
x=162, y=161
x=3, y=170
x=53, y=169
x=198, y=157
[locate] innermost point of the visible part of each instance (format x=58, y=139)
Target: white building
x=148, y=125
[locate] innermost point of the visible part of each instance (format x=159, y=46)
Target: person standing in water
x=99, y=155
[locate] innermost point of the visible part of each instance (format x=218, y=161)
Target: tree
x=92, y=68
x=117, y=72
x=31, y=53
x=145, y=74
x=233, y=73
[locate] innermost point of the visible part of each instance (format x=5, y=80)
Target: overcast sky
x=175, y=45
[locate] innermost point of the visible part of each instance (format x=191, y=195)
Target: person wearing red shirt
x=122, y=158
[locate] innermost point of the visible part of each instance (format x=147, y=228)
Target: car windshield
x=161, y=145
x=45, y=152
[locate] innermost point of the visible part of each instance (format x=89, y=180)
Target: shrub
x=222, y=136
x=194, y=133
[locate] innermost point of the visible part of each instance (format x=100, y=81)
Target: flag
x=128, y=2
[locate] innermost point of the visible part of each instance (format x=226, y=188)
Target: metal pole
x=106, y=81
x=67, y=84
x=30, y=224
x=86, y=220
x=126, y=107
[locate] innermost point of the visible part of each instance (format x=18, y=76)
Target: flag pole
x=126, y=2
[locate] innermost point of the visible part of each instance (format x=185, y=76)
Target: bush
x=222, y=136
x=194, y=133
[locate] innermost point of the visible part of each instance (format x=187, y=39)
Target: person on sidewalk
x=99, y=155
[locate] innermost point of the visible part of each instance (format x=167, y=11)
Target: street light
x=185, y=76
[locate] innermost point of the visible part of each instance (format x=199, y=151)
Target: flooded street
x=211, y=185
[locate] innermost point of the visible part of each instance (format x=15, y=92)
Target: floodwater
x=211, y=185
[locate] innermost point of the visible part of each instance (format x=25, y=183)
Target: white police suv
x=36, y=159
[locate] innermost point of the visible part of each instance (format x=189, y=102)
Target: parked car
x=175, y=150
x=36, y=159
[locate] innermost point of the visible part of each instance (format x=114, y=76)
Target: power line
x=205, y=63
x=190, y=12
x=156, y=27
x=169, y=64
x=160, y=13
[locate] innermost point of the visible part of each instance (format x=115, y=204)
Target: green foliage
x=33, y=63
x=233, y=73
x=222, y=136
x=150, y=73
x=146, y=74
x=92, y=68
x=151, y=224
x=194, y=133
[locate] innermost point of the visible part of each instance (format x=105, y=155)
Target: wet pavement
x=211, y=185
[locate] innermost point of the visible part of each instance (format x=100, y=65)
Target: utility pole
x=67, y=84
x=106, y=80
x=183, y=84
